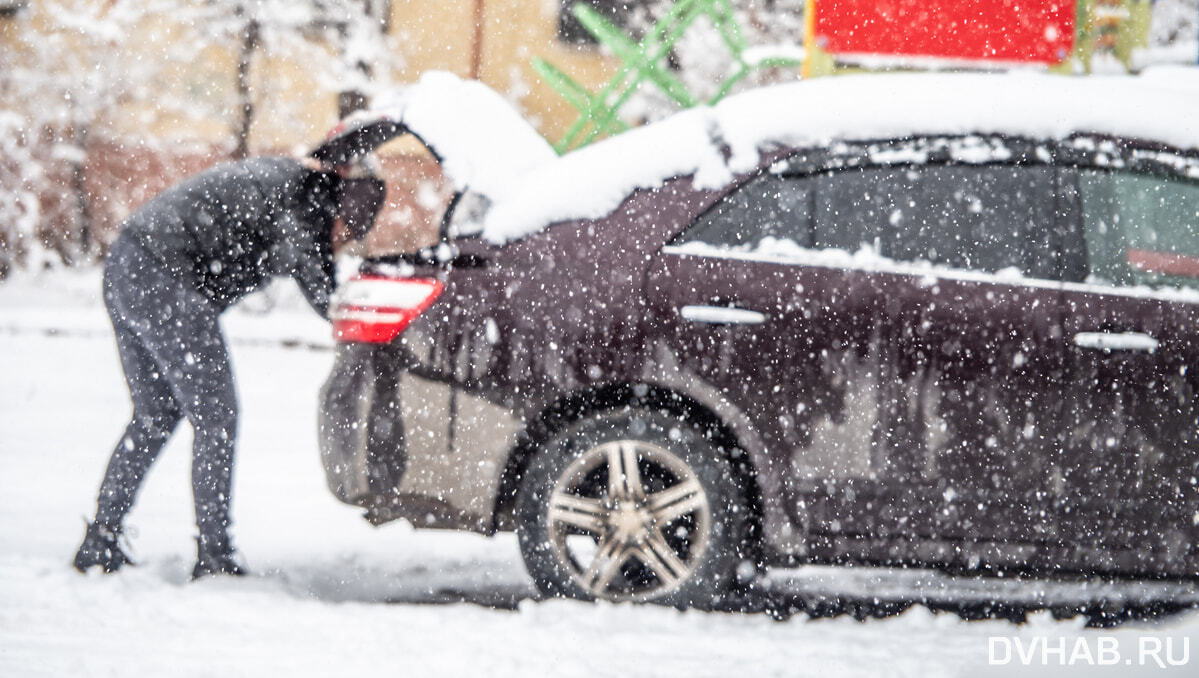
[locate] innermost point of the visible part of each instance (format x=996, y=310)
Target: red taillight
x=376, y=309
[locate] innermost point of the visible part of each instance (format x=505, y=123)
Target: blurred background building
x=105, y=102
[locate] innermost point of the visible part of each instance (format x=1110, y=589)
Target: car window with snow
x=766, y=206
x=979, y=218
x=987, y=218
x=1140, y=229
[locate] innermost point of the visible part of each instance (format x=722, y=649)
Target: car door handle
x=721, y=315
x=1116, y=341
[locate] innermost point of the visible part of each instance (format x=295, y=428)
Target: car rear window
x=1140, y=229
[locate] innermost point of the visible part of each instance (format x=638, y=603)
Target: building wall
x=515, y=32
x=433, y=35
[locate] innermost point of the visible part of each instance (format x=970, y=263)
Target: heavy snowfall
x=329, y=594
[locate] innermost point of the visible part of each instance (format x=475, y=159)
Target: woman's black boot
x=100, y=548
x=216, y=556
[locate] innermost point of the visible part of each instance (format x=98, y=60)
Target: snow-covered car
x=930, y=320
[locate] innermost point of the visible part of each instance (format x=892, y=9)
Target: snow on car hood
x=591, y=182
x=482, y=142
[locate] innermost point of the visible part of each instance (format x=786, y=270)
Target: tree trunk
x=249, y=44
x=83, y=204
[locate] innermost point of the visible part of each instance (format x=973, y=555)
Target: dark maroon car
x=978, y=351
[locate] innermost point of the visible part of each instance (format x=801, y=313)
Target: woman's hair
x=321, y=196
x=361, y=200
x=352, y=191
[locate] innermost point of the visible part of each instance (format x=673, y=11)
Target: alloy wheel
x=629, y=520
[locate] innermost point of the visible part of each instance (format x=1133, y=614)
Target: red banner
x=988, y=30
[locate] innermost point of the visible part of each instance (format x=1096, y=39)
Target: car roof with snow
x=485, y=145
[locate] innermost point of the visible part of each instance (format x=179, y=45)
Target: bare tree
x=85, y=75
x=66, y=77
x=355, y=31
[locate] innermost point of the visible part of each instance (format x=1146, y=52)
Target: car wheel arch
x=584, y=403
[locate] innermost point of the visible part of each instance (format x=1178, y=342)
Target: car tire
x=675, y=531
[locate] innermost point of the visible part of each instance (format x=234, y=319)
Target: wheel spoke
x=624, y=477
x=615, y=472
x=661, y=559
x=604, y=566
x=632, y=474
x=582, y=512
x=677, y=501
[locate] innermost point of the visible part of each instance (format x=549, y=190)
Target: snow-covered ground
x=332, y=596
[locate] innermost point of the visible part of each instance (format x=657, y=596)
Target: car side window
x=852, y=208
x=768, y=206
x=985, y=218
x=1140, y=229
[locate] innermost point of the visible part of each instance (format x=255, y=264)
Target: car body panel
x=765, y=370
x=973, y=363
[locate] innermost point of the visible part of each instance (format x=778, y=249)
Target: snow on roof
x=1018, y=104
x=1158, y=106
x=482, y=140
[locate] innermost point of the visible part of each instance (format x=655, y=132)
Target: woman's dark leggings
x=176, y=366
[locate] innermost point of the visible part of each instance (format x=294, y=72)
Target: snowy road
x=332, y=596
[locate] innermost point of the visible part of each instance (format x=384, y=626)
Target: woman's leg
x=130, y=278
x=155, y=416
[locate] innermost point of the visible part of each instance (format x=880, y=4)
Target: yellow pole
x=809, y=39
